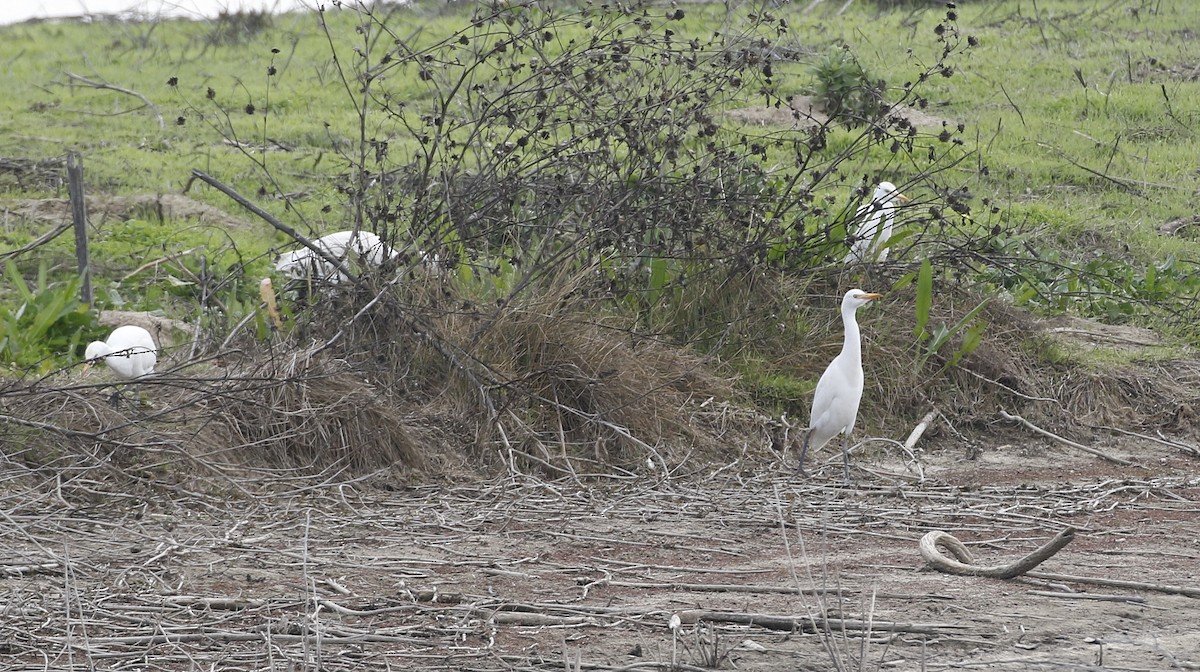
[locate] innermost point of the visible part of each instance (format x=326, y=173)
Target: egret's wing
x=293, y=262
x=149, y=360
x=833, y=406
x=864, y=236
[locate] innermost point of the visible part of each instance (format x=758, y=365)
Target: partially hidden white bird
x=840, y=389
x=877, y=219
x=345, y=246
x=129, y=351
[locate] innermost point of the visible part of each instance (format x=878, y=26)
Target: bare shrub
x=595, y=240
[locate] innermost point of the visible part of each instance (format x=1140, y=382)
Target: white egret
x=839, y=391
x=129, y=351
x=877, y=218
x=343, y=246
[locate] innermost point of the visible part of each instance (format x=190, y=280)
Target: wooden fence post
x=79, y=216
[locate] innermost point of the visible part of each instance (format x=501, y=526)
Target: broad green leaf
x=14, y=276
x=904, y=281
x=924, y=297
x=971, y=340
x=969, y=316
x=658, y=280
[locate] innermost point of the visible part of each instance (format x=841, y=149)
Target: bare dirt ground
x=522, y=574
x=803, y=110
x=105, y=207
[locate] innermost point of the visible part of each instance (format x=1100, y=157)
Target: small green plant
x=48, y=321
x=844, y=89
x=933, y=341
x=1096, y=284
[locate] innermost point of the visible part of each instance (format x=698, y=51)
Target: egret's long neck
x=887, y=214
x=851, y=346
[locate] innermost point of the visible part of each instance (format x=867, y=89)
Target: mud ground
x=521, y=574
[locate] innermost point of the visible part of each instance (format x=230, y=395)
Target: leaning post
x=79, y=217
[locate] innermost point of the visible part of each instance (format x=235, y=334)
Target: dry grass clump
x=263, y=420
x=539, y=380
x=304, y=409
x=406, y=375
x=1012, y=370
x=578, y=389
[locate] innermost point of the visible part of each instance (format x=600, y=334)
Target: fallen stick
x=963, y=561
x=1066, y=442
x=104, y=85
x=917, y=431
x=39, y=568
x=525, y=618
x=1089, y=596
x=226, y=637
x=1190, y=450
x=750, y=588
x=1118, y=583
x=214, y=603
x=42, y=240
x=267, y=217
x=811, y=625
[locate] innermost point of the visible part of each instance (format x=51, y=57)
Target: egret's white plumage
x=839, y=391
x=129, y=351
x=344, y=246
x=877, y=219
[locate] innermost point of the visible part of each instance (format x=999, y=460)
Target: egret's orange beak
x=902, y=198
x=871, y=297
x=86, y=367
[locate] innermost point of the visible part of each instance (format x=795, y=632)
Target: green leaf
x=940, y=336
x=970, y=316
x=658, y=280
x=14, y=276
x=924, y=298
x=971, y=340
x=904, y=281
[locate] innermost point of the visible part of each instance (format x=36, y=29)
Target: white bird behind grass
x=840, y=389
x=877, y=219
x=344, y=246
x=129, y=351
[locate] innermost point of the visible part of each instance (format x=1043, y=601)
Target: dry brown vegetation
x=409, y=477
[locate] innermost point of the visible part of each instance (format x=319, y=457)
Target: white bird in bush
x=835, y=403
x=877, y=219
x=129, y=351
x=343, y=246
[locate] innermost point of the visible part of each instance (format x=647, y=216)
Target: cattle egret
x=877, y=218
x=343, y=246
x=835, y=403
x=129, y=351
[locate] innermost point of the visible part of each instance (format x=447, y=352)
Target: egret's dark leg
x=803, y=450
x=846, y=456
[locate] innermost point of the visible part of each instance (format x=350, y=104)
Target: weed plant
x=566, y=169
